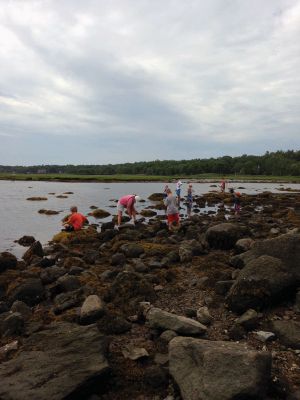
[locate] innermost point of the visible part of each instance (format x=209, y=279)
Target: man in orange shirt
x=75, y=220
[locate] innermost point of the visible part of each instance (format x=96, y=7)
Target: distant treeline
x=279, y=163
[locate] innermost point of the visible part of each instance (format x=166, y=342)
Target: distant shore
x=205, y=178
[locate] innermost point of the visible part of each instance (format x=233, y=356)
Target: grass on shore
x=144, y=178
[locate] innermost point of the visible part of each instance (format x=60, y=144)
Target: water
x=20, y=217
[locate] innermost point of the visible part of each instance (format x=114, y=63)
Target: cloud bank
x=99, y=82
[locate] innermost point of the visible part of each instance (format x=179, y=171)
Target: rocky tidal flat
x=210, y=312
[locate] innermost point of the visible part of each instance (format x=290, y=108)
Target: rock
x=91, y=310
x=243, y=245
x=12, y=325
x=190, y=248
x=161, y=359
x=70, y=262
x=222, y=287
x=210, y=370
x=63, y=361
x=75, y=271
x=134, y=353
x=68, y=283
x=132, y=250
x=225, y=235
x=51, y=274
x=285, y=247
x=26, y=240
x=35, y=249
x=156, y=196
x=190, y=312
x=297, y=302
x=118, y=259
x=108, y=275
x=163, y=320
x=156, y=377
x=148, y=213
x=167, y=336
x=22, y=308
x=248, y=320
x=30, y=292
x=7, y=349
x=288, y=332
x=37, y=198
x=261, y=282
x=263, y=336
x=113, y=325
x=98, y=213
x=65, y=301
x=185, y=253
x=203, y=316
x=7, y=260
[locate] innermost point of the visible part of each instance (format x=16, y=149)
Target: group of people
x=76, y=220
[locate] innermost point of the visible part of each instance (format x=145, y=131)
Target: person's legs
x=68, y=228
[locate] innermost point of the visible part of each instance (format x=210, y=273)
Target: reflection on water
x=20, y=217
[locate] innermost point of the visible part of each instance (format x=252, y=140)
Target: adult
x=127, y=202
x=172, y=211
x=75, y=221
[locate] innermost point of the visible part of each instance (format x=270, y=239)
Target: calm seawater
x=20, y=217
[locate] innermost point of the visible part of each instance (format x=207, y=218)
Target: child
x=178, y=189
x=189, y=199
x=236, y=201
x=165, y=194
x=75, y=221
x=222, y=185
x=127, y=202
x=172, y=211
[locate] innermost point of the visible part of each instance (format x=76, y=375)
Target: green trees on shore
x=279, y=163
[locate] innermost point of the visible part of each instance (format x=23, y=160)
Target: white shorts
x=120, y=207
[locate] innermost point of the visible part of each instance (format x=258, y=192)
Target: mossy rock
x=82, y=236
x=98, y=213
x=48, y=212
x=156, y=197
x=148, y=213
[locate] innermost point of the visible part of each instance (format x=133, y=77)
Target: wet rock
x=26, y=240
x=65, y=301
x=91, y=310
x=261, y=282
x=7, y=260
x=37, y=198
x=35, y=249
x=288, y=332
x=63, y=361
x=225, y=235
x=218, y=370
x=132, y=250
x=156, y=196
x=148, y=213
x=21, y=308
x=30, y=292
x=51, y=274
x=12, y=324
x=98, y=213
x=249, y=320
x=203, y=316
x=118, y=259
x=163, y=320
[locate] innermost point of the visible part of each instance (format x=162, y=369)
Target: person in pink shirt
x=127, y=202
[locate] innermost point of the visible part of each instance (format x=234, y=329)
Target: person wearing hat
x=127, y=202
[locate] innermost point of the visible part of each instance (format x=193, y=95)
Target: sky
x=98, y=82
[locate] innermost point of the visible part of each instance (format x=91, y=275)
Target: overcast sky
x=98, y=81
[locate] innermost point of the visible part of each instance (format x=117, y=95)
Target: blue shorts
x=177, y=192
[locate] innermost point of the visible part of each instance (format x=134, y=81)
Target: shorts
x=173, y=218
x=177, y=192
x=120, y=207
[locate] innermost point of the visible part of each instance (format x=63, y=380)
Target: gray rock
x=167, y=336
x=243, y=245
x=288, y=332
x=261, y=282
x=132, y=250
x=65, y=301
x=225, y=235
x=248, y=320
x=210, y=370
x=134, y=353
x=51, y=274
x=66, y=361
x=203, y=316
x=91, y=310
x=30, y=292
x=163, y=320
x=264, y=336
x=22, y=308
x=12, y=325
x=7, y=260
x=68, y=283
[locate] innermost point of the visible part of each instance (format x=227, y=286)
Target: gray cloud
x=160, y=80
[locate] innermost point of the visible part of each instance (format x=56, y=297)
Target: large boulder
x=31, y=292
x=288, y=332
x=262, y=281
x=163, y=320
x=35, y=249
x=285, y=247
x=7, y=260
x=210, y=370
x=225, y=235
x=60, y=362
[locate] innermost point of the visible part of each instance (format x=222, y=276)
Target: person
x=75, y=221
x=165, y=194
x=172, y=211
x=178, y=190
x=236, y=201
x=223, y=185
x=127, y=202
x=189, y=199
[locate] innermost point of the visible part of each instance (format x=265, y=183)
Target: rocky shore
x=210, y=312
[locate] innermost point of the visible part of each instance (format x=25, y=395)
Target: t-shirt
x=171, y=204
x=77, y=220
x=178, y=184
x=127, y=201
